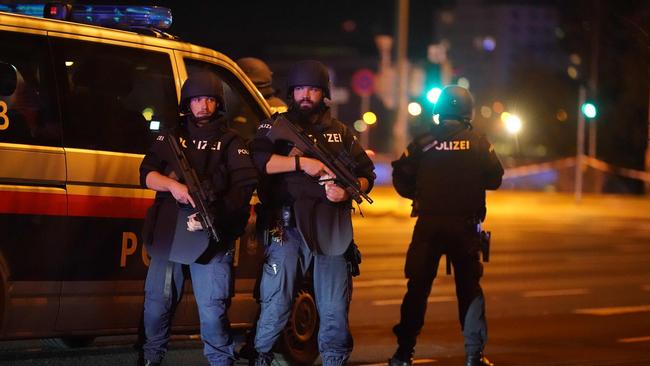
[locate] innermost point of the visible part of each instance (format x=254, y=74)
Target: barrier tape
x=597, y=164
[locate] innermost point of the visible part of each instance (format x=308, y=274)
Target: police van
x=79, y=106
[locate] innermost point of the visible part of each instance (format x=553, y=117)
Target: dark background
x=341, y=34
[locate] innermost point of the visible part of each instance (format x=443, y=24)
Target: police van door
x=115, y=98
x=32, y=186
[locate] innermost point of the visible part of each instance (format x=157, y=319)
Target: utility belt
x=273, y=221
x=283, y=216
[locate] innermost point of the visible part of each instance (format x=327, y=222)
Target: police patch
x=454, y=145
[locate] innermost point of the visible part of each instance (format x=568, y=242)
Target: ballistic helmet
x=308, y=73
x=259, y=73
x=202, y=84
x=455, y=102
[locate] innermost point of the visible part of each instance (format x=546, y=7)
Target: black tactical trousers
x=434, y=236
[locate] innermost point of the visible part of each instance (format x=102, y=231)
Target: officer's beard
x=306, y=114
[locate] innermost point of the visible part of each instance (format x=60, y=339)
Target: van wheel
x=68, y=342
x=298, y=343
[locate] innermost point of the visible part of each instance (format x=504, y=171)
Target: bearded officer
x=310, y=222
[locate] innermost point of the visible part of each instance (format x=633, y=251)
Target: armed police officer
x=262, y=76
x=446, y=172
x=308, y=217
x=173, y=234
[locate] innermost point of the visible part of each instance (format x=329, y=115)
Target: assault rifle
x=342, y=165
x=201, y=196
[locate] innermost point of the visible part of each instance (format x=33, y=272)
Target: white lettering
x=201, y=145
x=333, y=137
x=453, y=145
x=264, y=125
x=242, y=151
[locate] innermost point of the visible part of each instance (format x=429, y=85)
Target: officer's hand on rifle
x=314, y=167
x=193, y=224
x=335, y=193
x=180, y=193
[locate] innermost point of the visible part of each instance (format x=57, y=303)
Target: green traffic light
x=589, y=110
x=433, y=94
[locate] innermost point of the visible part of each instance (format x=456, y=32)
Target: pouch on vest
x=187, y=246
x=324, y=226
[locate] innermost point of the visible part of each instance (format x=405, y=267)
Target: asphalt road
x=568, y=284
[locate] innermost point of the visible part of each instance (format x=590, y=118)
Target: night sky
x=341, y=33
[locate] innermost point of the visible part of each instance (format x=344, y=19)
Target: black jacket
x=446, y=171
x=222, y=161
x=318, y=219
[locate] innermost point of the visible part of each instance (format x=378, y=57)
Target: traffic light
x=433, y=94
x=589, y=110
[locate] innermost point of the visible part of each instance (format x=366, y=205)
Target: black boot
x=477, y=360
x=402, y=357
x=144, y=362
x=262, y=359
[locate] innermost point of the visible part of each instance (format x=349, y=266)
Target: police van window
x=114, y=98
x=29, y=115
x=242, y=112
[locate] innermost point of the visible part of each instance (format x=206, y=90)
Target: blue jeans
x=212, y=289
x=332, y=289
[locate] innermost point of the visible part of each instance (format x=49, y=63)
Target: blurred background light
x=512, y=123
x=360, y=125
x=433, y=94
x=414, y=109
x=369, y=118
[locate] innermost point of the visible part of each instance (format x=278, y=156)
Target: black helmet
x=259, y=73
x=308, y=73
x=455, y=102
x=202, y=84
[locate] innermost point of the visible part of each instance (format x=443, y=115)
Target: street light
x=512, y=122
x=513, y=125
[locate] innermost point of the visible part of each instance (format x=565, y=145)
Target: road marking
x=564, y=292
x=399, y=301
x=616, y=310
x=380, y=283
x=416, y=361
x=634, y=339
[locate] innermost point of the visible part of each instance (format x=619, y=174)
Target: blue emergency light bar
x=111, y=16
x=33, y=10
x=115, y=16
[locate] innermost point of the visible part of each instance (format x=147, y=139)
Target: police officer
x=173, y=235
x=309, y=221
x=446, y=172
x=262, y=76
